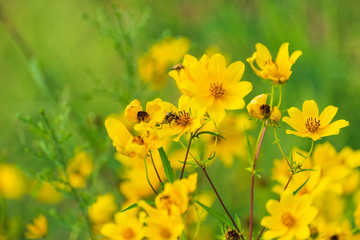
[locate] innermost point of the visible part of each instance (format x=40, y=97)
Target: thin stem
x=262, y=231
x=262, y=134
x=147, y=177
x=186, y=155
x=272, y=95
x=157, y=173
x=281, y=150
x=280, y=97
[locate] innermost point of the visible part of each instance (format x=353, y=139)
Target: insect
x=143, y=116
x=169, y=117
x=177, y=67
x=265, y=110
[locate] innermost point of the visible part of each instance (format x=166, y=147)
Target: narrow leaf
x=214, y=213
x=169, y=172
x=297, y=190
x=248, y=147
x=211, y=133
x=136, y=205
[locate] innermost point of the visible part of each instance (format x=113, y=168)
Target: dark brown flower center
x=143, y=116
x=183, y=118
x=232, y=235
x=216, y=90
x=287, y=219
x=312, y=124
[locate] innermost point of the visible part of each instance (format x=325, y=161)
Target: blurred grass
x=72, y=52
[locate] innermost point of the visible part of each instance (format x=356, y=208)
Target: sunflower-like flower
x=211, y=84
x=279, y=71
x=290, y=217
x=258, y=109
x=308, y=123
x=37, y=229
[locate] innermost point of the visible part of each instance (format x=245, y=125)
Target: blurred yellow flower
x=357, y=216
x=37, y=229
x=154, y=65
x=212, y=85
x=45, y=192
x=279, y=71
x=309, y=124
x=12, y=181
x=102, y=210
x=127, y=226
x=290, y=217
x=177, y=194
x=79, y=169
x=257, y=108
x=160, y=225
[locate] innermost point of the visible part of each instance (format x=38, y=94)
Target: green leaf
x=169, y=172
x=211, y=133
x=249, y=149
x=297, y=190
x=214, y=213
x=307, y=169
x=301, y=154
x=136, y=205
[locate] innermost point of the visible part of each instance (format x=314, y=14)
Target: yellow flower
x=212, y=85
x=160, y=225
x=126, y=227
x=79, y=169
x=309, y=124
x=134, y=112
x=46, y=193
x=176, y=194
x=290, y=217
x=182, y=120
x=279, y=71
x=258, y=109
x=357, y=216
x=12, y=182
x=102, y=210
x=38, y=229
x=154, y=64
x=125, y=143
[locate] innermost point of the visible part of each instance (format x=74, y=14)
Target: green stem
x=186, y=155
x=272, y=95
x=309, y=153
x=280, y=97
x=147, y=177
x=157, y=173
x=277, y=140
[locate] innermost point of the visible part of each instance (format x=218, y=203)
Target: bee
x=265, y=110
x=177, y=67
x=169, y=117
x=143, y=116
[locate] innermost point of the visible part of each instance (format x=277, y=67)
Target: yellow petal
x=300, y=134
x=310, y=110
x=327, y=115
x=294, y=56
x=296, y=119
x=273, y=207
x=282, y=59
x=117, y=132
x=274, y=233
x=233, y=73
x=333, y=128
x=302, y=232
x=217, y=66
x=262, y=55
x=240, y=89
x=232, y=102
x=216, y=112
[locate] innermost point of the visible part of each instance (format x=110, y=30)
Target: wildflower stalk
x=74, y=192
x=272, y=95
x=310, y=151
x=157, y=173
x=262, y=133
x=280, y=148
x=147, y=177
x=186, y=155
x=280, y=97
x=217, y=194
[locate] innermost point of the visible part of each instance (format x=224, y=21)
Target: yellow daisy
x=308, y=122
x=290, y=217
x=279, y=71
x=38, y=229
x=212, y=85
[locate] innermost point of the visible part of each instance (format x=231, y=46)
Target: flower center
x=165, y=233
x=216, y=90
x=265, y=110
x=183, y=118
x=312, y=125
x=232, y=235
x=143, y=116
x=128, y=233
x=138, y=140
x=287, y=219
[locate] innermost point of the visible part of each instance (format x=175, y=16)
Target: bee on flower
x=308, y=122
x=258, y=109
x=211, y=84
x=277, y=71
